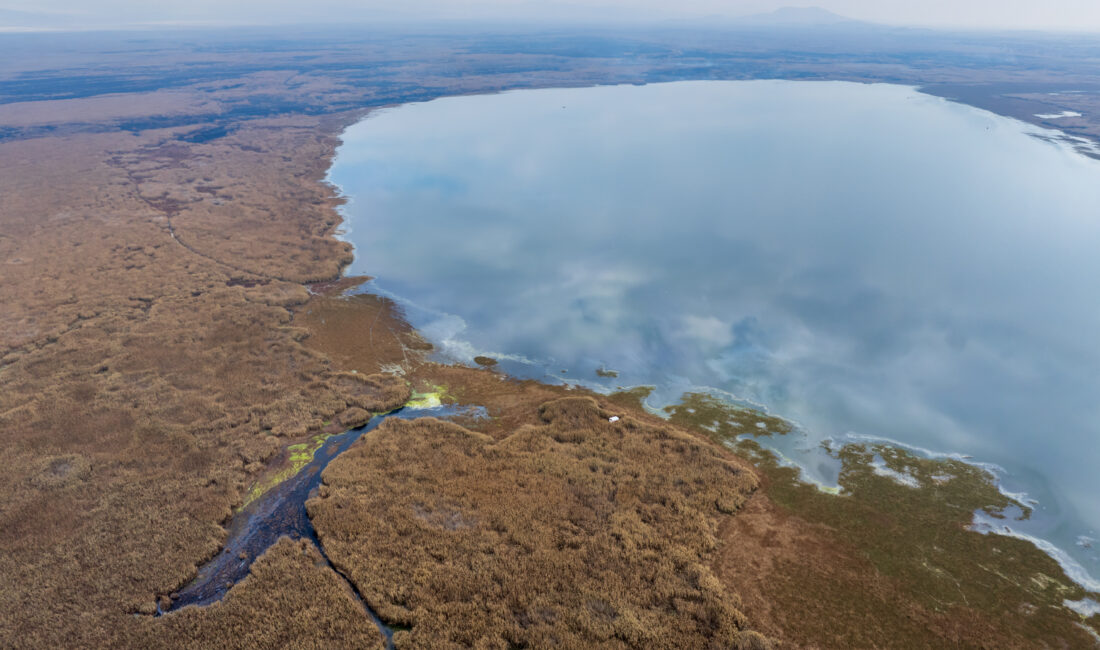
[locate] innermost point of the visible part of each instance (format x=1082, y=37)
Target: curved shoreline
x=149, y=385
x=1073, y=569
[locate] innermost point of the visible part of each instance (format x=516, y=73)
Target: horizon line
x=702, y=23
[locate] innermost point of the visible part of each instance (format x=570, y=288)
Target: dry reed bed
x=575, y=532
x=147, y=378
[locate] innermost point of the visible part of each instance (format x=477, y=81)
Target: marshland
x=186, y=323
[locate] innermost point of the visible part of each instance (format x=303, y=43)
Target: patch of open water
x=867, y=261
x=281, y=511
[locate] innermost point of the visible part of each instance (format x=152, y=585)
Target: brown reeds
x=575, y=532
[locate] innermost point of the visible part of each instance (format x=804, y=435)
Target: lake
x=864, y=260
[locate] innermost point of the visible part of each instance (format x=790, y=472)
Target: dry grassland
x=360, y=331
x=149, y=360
x=291, y=599
x=171, y=321
x=574, y=533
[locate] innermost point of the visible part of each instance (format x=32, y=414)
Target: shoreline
x=1075, y=571
x=156, y=364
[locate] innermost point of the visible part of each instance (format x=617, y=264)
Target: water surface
x=865, y=260
x=281, y=511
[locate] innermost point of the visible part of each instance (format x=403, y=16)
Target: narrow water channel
x=282, y=511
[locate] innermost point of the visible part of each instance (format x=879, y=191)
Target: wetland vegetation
x=590, y=534
x=176, y=329
x=887, y=278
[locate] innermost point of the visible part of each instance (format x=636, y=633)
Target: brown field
x=173, y=319
x=151, y=364
x=291, y=599
x=576, y=532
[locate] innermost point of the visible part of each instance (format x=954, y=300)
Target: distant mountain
x=797, y=17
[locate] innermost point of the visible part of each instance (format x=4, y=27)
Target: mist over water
x=862, y=259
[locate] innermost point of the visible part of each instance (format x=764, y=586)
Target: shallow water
x=865, y=260
x=281, y=511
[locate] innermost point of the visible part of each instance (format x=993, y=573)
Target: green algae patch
x=722, y=420
x=297, y=456
x=910, y=517
x=424, y=401
x=605, y=372
x=485, y=362
x=433, y=397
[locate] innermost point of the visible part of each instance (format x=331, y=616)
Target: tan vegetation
x=291, y=599
x=887, y=564
x=104, y=107
x=150, y=364
x=173, y=320
x=361, y=331
x=511, y=403
x=576, y=532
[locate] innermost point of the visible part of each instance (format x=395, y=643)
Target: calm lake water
x=865, y=260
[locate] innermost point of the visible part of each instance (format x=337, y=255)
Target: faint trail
x=169, y=209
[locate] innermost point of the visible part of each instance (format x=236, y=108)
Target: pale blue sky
x=1077, y=15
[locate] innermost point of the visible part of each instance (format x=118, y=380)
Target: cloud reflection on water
x=860, y=258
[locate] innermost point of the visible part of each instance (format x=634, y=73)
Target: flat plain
x=173, y=319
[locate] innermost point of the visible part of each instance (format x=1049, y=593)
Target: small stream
x=282, y=511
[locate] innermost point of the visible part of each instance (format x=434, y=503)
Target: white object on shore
x=613, y=418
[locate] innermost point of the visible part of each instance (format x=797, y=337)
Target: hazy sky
x=1075, y=15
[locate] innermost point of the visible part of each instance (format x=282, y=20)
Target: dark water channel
x=282, y=511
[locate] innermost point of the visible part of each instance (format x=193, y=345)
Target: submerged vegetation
x=910, y=518
x=431, y=397
x=722, y=420
x=916, y=530
x=633, y=398
x=171, y=324
x=297, y=456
